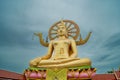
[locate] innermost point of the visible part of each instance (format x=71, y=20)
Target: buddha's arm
x=74, y=49
x=49, y=54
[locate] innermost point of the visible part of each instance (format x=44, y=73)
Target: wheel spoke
x=66, y=24
x=54, y=29
x=71, y=29
x=69, y=26
x=53, y=33
x=55, y=37
x=70, y=35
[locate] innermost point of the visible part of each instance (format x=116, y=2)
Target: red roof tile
x=11, y=75
x=104, y=77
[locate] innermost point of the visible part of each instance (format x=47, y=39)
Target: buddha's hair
x=62, y=23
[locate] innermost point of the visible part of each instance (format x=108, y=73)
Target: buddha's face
x=61, y=30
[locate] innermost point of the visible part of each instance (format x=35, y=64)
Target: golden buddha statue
x=62, y=50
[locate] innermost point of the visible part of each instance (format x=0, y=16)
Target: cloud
x=113, y=41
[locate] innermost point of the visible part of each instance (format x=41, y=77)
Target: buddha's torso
x=61, y=49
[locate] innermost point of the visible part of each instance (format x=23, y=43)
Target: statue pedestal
x=73, y=73
x=57, y=74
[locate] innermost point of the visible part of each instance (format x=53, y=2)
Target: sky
x=19, y=19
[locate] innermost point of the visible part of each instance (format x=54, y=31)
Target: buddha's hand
x=35, y=62
x=38, y=34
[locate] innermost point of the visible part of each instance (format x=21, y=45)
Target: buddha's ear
x=81, y=41
x=42, y=42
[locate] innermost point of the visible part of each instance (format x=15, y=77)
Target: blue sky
x=19, y=19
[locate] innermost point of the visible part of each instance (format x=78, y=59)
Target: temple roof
x=104, y=77
x=10, y=75
x=113, y=76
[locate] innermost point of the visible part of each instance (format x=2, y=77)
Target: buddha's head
x=62, y=31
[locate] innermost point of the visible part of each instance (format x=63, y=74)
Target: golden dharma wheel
x=73, y=30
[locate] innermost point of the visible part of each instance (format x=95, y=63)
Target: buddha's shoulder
x=71, y=40
x=54, y=41
x=66, y=40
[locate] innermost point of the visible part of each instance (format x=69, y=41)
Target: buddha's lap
x=73, y=61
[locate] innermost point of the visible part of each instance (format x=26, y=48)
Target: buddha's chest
x=61, y=44
x=61, y=48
